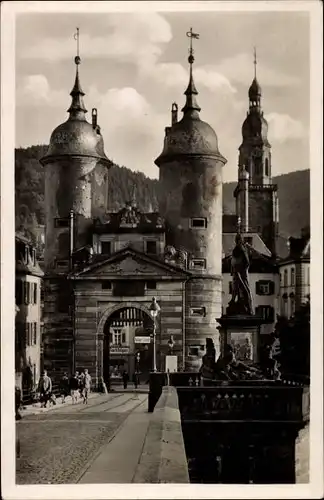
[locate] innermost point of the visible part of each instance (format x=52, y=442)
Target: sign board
x=142, y=340
x=119, y=350
x=171, y=364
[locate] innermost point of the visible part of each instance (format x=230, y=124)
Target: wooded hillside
x=294, y=188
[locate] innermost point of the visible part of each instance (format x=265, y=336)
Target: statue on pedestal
x=241, y=302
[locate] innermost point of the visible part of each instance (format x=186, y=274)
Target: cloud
x=35, y=90
x=210, y=78
x=125, y=103
x=239, y=68
x=130, y=37
x=132, y=129
x=174, y=75
x=283, y=128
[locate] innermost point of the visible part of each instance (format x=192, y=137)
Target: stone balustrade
x=258, y=401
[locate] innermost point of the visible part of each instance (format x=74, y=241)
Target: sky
x=134, y=65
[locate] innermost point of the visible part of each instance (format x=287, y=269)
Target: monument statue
x=207, y=368
x=227, y=367
x=241, y=302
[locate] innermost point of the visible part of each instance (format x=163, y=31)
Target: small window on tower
x=198, y=223
x=266, y=167
x=62, y=264
x=151, y=285
x=198, y=311
x=198, y=264
x=106, y=247
x=151, y=247
x=63, y=222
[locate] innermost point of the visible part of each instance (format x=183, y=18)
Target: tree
x=294, y=335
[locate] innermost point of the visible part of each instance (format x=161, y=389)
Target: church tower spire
x=256, y=195
x=255, y=91
x=77, y=109
x=191, y=107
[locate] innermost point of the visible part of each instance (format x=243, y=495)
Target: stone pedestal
x=243, y=333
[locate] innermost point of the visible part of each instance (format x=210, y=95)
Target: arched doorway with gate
x=127, y=344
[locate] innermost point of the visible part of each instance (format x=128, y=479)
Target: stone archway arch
x=101, y=328
x=115, y=307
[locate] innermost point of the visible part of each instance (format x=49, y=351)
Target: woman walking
x=86, y=386
x=74, y=387
x=64, y=387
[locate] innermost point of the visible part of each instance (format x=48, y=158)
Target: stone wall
x=163, y=458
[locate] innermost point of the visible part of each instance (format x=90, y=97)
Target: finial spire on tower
x=255, y=62
x=77, y=38
x=191, y=92
x=77, y=109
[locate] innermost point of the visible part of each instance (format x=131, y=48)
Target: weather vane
x=76, y=37
x=255, y=62
x=191, y=35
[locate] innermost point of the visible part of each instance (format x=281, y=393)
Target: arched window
x=292, y=303
x=266, y=167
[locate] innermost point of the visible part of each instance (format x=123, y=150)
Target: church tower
x=190, y=200
x=256, y=195
x=76, y=190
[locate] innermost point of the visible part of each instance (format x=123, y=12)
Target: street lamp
x=154, y=311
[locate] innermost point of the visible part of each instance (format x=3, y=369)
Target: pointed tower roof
x=77, y=109
x=255, y=90
x=190, y=136
x=76, y=136
x=191, y=92
x=255, y=126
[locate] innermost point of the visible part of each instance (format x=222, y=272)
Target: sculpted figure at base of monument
x=227, y=367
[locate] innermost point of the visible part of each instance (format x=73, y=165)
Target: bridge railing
x=258, y=402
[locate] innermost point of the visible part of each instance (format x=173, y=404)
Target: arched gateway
x=126, y=330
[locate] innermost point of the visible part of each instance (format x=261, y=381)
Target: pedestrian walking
x=135, y=380
x=18, y=401
x=45, y=389
x=74, y=387
x=125, y=379
x=64, y=387
x=81, y=383
x=87, y=386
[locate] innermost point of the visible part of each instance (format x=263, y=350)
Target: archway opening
x=128, y=346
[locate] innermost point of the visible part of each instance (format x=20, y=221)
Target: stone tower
x=76, y=190
x=256, y=195
x=190, y=200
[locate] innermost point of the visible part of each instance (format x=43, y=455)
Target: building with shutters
x=28, y=313
x=103, y=269
x=294, y=272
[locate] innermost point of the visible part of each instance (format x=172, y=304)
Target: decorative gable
x=130, y=264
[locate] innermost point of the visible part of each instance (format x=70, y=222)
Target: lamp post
x=154, y=311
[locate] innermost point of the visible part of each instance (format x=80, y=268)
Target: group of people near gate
x=78, y=386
